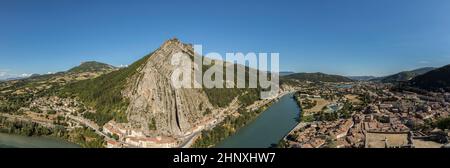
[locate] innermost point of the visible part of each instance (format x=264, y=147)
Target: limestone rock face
x=154, y=101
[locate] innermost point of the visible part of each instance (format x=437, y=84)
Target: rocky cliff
x=155, y=103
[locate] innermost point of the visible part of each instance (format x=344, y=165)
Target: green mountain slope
x=438, y=79
x=316, y=77
x=91, y=66
x=403, y=76
x=104, y=92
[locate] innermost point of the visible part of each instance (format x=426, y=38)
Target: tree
x=443, y=123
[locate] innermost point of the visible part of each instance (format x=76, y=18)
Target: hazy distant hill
x=361, y=78
x=317, y=77
x=285, y=73
x=403, y=76
x=13, y=78
x=91, y=66
x=434, y=80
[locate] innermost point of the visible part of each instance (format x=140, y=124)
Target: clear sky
x=346, y=37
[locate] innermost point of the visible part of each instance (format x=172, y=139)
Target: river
x=19, y=141
x=268, y=128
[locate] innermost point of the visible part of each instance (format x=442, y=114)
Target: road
x=91, y=125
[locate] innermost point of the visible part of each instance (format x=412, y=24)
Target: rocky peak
x=157, y=107
x=176, y=45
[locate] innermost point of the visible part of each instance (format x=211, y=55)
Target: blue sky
x=346, y=37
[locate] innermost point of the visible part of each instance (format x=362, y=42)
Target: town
x=369, y=115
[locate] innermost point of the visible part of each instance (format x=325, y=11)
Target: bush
x=443, y=123
x=36, y=110
x=51, y=112
x=152, y=125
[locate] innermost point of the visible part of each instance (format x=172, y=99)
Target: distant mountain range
x=17, y=77
x=90, y=67
x=317, y=77
x=285, y=73
x=436, y=79
x=403, y=76
x=10, y=79
x=361, y=78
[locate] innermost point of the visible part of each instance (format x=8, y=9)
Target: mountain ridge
x=316, y=77
x=403, y=76
x=437, y=79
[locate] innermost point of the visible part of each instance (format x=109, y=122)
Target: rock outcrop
x=154, y=101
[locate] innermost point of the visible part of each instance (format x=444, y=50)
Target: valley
x=96, y=105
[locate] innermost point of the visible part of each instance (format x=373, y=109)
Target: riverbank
x=20, y=141
x=226, y=128
x=232, y=123
x=267, y=129
x=82, y=136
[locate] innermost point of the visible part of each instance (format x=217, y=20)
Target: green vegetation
x=299, y=103
x=28, y=128
x=60, y=120
x=365, y=99
x=152, y=124
x=306, y=118
x=323, y=116
x=345, y=112
x=36, y=110
x=207, y=111
x=308, y=104
x=443, y=123
x=91, y=66
x=405, y=75
x=302, y=117
x=51, y=111
x=282, y=144
x=104, y=93
x=86, y=138
x=222, y=97
x=11, y=103
x=115, y=136
x=20, y=93
x=330, y=142
x=436, y=80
